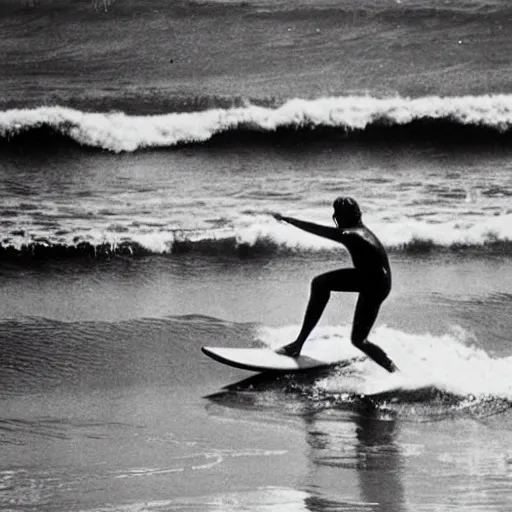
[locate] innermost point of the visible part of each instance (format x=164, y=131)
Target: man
x=370, y=277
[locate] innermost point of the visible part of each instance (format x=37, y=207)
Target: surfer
x=370, y=277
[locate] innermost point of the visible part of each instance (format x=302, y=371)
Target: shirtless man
x=370, y=277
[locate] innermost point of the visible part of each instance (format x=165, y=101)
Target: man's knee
x=364, y=318
x=357, y=341
x=359, y=334
x=318, y=284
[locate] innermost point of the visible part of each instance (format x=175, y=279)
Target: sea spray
x=452, y=363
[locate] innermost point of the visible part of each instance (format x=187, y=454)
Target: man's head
x=346, y=212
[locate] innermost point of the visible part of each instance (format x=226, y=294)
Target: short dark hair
x=348, y=209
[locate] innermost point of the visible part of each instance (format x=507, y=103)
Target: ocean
x=144, y=147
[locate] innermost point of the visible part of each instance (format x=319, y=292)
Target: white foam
x=263, y=229
x=448, y=233
x=452, y=362
x=120, y=132
x=400, y=232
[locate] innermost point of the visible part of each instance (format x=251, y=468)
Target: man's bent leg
x=364, y=318
x=321, y=286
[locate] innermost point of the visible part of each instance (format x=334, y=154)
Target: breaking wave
x=262, y=237
x=467, y=119
x=440, y=375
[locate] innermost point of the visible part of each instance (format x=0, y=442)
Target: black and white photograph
x=255, y=255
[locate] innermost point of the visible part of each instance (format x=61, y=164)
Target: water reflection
x=380, y=463
x=353, y=459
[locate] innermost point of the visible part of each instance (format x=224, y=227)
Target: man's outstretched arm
x=316, y=229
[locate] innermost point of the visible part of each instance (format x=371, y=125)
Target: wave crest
x=444, y=118
x=489, y=236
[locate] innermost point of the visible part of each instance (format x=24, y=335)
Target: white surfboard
x=265, y=359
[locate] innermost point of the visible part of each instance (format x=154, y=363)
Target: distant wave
x=229, y=247
x=264, y=238
x=466, y=120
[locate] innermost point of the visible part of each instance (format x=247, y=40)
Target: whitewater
x=119, y=132
x=454, y=364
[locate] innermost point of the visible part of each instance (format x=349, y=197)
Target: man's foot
x=392, y=368
x=292, y=349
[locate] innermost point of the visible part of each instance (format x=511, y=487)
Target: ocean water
x=143, y=147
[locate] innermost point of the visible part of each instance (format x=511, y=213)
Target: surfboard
x=266, y=360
